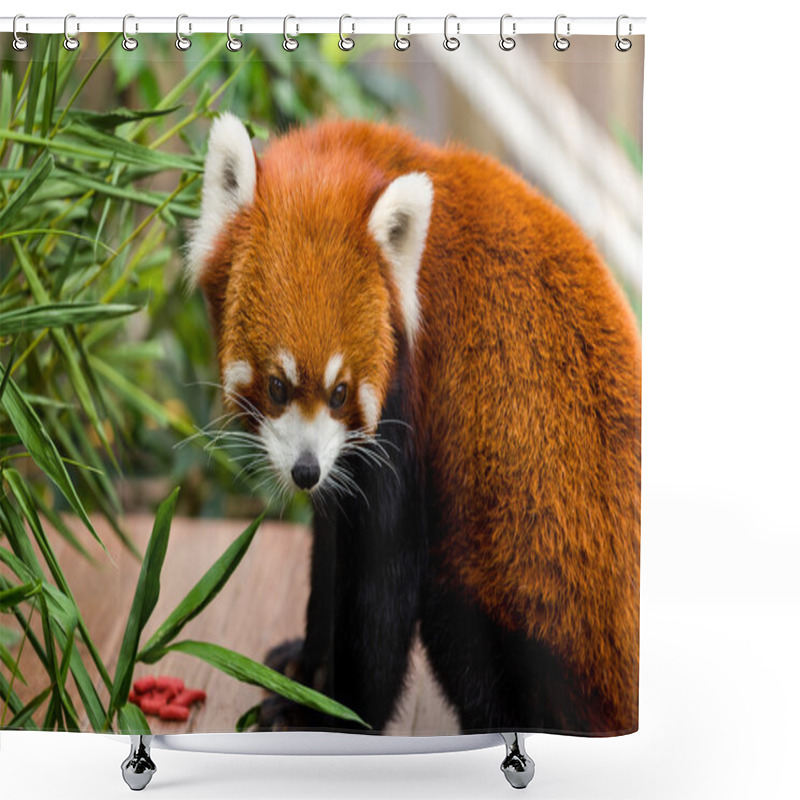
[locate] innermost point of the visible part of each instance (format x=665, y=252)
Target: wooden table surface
x=262, y=605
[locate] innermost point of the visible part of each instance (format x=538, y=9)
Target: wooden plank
x=262, y=606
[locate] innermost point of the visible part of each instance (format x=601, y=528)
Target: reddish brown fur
x=526, y=373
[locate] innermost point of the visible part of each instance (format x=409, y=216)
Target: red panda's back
x=529, y=367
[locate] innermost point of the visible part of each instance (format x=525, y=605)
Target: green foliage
x=106, y=365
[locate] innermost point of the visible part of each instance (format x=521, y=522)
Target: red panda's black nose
x=305, y=472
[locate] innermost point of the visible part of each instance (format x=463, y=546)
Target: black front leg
x=379, y=566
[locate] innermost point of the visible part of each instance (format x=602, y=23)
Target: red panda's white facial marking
x=332, y=370
x=237, y=376
x=289, y=366
x=292, y=441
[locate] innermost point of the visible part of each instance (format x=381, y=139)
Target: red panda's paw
x=279, y=714
x=275, y=714
x=285, y=658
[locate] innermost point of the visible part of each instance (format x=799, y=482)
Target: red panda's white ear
x=228, y=185
x=399, y=224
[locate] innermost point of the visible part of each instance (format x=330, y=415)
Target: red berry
x=189, y=696
x=151, y=706
x=174, y=712
x=167, y=682
x=145, y=684
x=134, y=698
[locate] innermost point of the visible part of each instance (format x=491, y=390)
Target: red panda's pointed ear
x=399, y=224
x=229, y=184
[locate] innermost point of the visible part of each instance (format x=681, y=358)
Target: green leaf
x=131, y=720
x=131, y=193
x=59, y=337
x=248, y=671
x=203, y=592
x=86, y=689
x=57, y=315
x=145, y=598
x=38, y=443
x=10, y=663
x=40, y=45
x=22, y=719
x=11, y=698
x=248, y=719
x=120, y=149
x=6, y=91
x=16, y=595
x=108, y=120
x=35, y=177
x=51, y=83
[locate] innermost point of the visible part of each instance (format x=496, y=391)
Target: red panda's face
x=305, y=345
x=305, y=306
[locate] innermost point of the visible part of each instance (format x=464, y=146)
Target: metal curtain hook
x=70, y=42
x=290, y=44
x=19, y=43
x=561, y=44
x=401, y=42
x=623, y=45
x=451, y=42
x=181, y=42
x=507, y=42
x=345, y=42
x=234, y=44
x=128, y=42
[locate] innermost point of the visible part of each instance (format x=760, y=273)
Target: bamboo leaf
x=33, y=180
x=18, y=594
x=108, y=120
x=22, y=719
x=59, y=337
x=11, y=700
x=57, y=315
x=51, y=83
x=63, y=612
x=123, y=192
x=119, y=149
x=40, y=45
x=38, y=443
x=203, y=592
x=61, y=597
x=145, y=598
x=248, y=671
x=6, y=92
x=10, y=662
x=248, y=719
x=131, y=720
x=86, y=689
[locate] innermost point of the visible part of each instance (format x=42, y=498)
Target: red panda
x=438, y=354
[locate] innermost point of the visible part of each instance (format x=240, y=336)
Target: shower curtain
x=320, y=384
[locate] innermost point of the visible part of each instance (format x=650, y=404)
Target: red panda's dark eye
x=278, y=391
x=338, y=396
